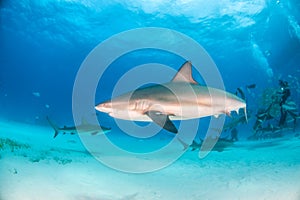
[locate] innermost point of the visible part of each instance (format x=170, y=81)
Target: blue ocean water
x=44, y=43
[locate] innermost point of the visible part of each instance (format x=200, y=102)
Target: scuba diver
x=279, y=108
x=284, y=93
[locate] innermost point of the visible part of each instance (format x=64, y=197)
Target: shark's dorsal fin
x=184, y=74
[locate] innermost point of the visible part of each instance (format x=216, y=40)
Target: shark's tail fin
x=55, y=127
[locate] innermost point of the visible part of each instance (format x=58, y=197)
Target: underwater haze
x=255, y=46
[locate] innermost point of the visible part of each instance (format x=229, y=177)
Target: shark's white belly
x=174, y=112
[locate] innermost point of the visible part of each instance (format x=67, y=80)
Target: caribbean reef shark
x=181, y=99
x=84, y=127
x=220, y=144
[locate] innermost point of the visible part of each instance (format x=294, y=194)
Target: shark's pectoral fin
x=162, y=120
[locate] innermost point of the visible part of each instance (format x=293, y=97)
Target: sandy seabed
x=35, y=166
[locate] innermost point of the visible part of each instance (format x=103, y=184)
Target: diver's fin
x=162, y=120
x=55, y=127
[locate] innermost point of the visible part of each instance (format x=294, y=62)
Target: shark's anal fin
x=162, y=120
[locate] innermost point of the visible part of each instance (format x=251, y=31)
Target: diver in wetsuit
x=280, y=107
x=285, y=93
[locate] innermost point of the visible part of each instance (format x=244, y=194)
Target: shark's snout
x=104, y=107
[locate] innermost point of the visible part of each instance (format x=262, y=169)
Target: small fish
x=251, y=86
x=36, y=94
